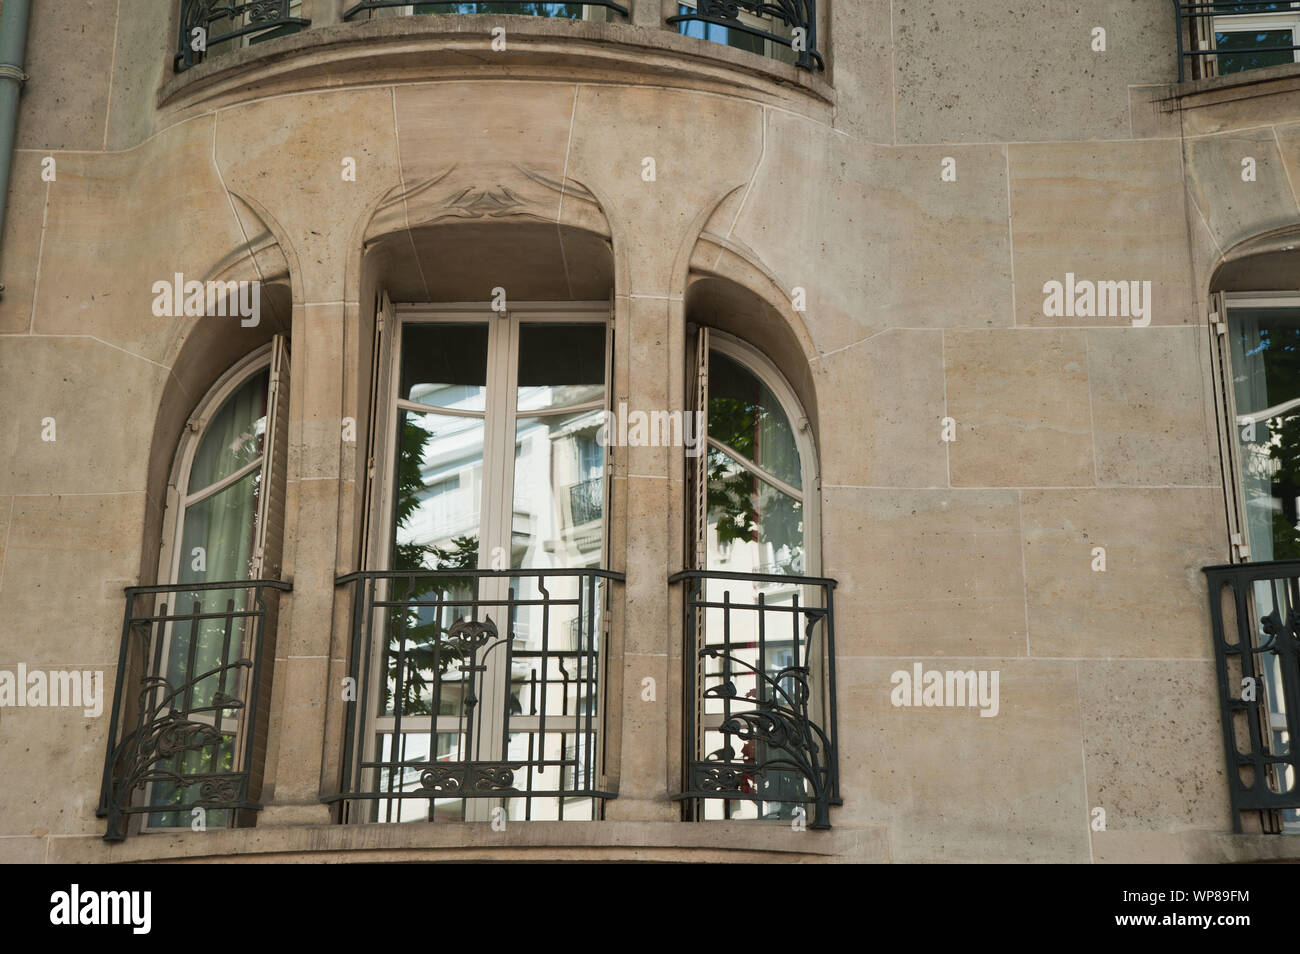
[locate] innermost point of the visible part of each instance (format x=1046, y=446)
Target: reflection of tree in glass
x=421, y=653
x=741, y=506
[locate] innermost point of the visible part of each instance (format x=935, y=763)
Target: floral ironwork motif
x=774, y=748
x=158, y=721
x=455, y=780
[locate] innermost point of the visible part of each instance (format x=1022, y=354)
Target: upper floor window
x=1233, y=36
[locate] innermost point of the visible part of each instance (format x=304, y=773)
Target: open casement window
x=1246, y=34
x=1257, y=364
x=223, y=531
x=757, y=663
x=484, y=617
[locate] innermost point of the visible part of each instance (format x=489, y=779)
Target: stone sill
x=457, y=47
x=521, y=841
x=1268, y=81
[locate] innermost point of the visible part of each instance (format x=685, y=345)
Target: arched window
x=759, y=462
x=210, y=646
x=759, y=723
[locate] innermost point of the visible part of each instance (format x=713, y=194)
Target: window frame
x=1288, y=19
x=497, y=487
x=179, y=500
x=809, y=494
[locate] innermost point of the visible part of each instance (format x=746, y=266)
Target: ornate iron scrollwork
x=210, y=709
x=198, y=18
x=454, y=780
x=775, y=752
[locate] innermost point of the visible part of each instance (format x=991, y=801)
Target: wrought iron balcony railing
x=186, y=732
x=566, y=10
x=760, y=728
x=1255, y=618
x=476, y=691
x=799, y=17
x=1230, y=36
x=210, y=24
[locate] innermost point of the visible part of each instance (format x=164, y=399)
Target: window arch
x=761, y=478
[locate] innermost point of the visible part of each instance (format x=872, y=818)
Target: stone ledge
x=1193, y=847
x=429, y=48
x=521, y=841
x=1238, y=100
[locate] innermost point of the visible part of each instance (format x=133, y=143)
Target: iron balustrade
x=220, y=21
x=1201, y=23
x=1255, y=619
x=491, y=6
x=193, y=666
x=457, y=712
x=757, y=674
x=799, y=16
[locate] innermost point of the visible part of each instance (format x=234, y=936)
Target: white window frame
x=179, y=499
x=809, y=494
x=496, y=502
x=1257, y=23
x=1227, y=301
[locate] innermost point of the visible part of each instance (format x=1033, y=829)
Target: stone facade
x=924, y=302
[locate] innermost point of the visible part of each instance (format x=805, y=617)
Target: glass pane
x=1240, y=51
x=217, y=540
x=560, y=365
x=1265, y=354
x=445, y=365
x=745, y=415
x=1264, y=345
x=558, y=514
x=753, y=527
x=233, y=437
x=439, y=486
x=740, y=39
x=216, y=546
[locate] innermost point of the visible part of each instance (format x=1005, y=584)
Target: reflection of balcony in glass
x=587, y=500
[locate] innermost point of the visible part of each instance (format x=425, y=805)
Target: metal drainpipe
x=13, y=44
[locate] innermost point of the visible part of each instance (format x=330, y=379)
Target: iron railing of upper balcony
x=210, y=24
x=1255, y=620
x=587, y=500
x=797, y=16
x=760, y=730
x=1216, y=37
x=571, y=11
x=457, y=713
x=185, y=732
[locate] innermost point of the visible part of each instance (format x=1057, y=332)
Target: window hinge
x=1240, y=550
x=1217, y=323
